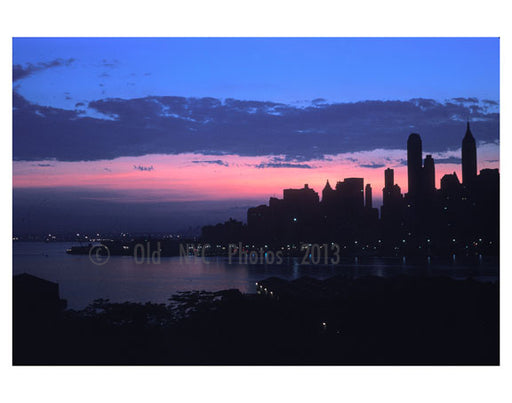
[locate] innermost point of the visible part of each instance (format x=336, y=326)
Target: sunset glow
x=188, y=177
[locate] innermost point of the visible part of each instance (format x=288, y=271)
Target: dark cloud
x=318, y=101
x=143, y=168
x=215, y=162
x=424, y=103
x=19, y=71
x=449, y=160
x=283, y=165
x=107, y=169
x=79, y=104
x=372, y=165
x=475, y=109
x=297, y=158
x=42, y=165
x=469, y=100
x=489, y=102
x=172, y=125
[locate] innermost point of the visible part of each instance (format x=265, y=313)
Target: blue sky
x=267, y=69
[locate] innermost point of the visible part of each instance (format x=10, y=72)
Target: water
x=122, y=279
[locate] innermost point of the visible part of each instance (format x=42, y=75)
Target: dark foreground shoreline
x=402, y=320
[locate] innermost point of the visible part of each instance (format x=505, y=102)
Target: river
x=123, y=278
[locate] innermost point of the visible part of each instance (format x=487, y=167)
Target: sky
x=168, y=134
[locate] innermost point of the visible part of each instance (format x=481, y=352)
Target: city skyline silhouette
x=170, y=134
x=462, y=216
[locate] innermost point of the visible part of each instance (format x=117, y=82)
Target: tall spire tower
x=468, y=157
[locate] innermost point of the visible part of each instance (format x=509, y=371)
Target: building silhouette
x=351, y=195
x=450, y=185
x=429, y=175
x=459, y=218
x=392, y=209
x=328, y=193
x=414, y=168
x=469, y=169
x=368, y=196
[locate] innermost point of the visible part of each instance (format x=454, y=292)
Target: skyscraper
x=389, y=178
x=351, y=192
x=392, y=203
x=468, y=158
x=429, y=175
x=450, y=184
x=391, y=192
x=414, y=164
x=368, y=196
x=301, y=197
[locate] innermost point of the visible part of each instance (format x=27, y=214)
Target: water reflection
x=121, y=279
